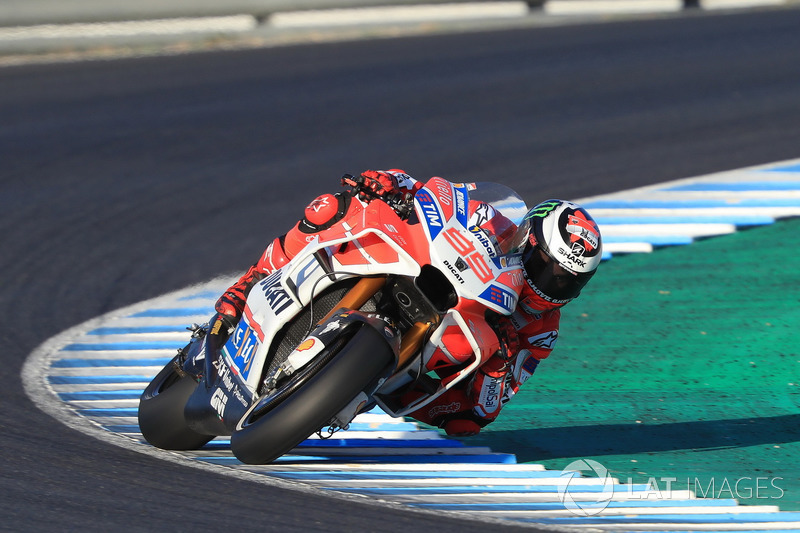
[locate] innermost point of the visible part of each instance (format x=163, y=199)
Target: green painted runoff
x=678, y=368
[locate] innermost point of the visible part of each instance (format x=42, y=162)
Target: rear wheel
x=161, y=419
x=309, y=399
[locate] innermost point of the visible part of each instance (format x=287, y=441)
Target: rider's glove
x=229, y=305
x=508, y=337
x=381, y=183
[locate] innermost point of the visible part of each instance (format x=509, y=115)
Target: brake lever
x=400, y=202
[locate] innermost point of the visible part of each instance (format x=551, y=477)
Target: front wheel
x=161, y=419
x=309, y=399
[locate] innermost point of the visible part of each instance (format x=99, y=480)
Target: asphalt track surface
x=123, y=180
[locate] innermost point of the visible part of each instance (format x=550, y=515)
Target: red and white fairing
x=372, y=239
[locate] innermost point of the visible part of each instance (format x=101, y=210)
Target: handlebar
x=402, y=203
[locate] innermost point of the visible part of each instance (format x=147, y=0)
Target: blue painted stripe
x=737, y=186
x=123, y=428
x=376, y=426
x=787, y=168
x=122, y=346
x=97, y=380
x=380, y=443
x=770, y=530
x=545, y=506
x=111, y=412
x=88, y=363
x=137, y=330
x=693, y=204
x=732, y=518
x=488, y=458
x=744, y=220
x=480, y=489
x=410, y=475
x=655, y=240
x=174, y=312
x=100, y=395
x=492, y=458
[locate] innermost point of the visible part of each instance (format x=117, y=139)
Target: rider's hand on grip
x=380, y=183
x=508, y=337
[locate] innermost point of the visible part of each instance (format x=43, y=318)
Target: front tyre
x=161, y=419
x=309, y=399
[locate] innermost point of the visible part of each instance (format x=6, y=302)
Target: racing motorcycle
x=352, y=321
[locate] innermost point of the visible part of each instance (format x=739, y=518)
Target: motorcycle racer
x=561, y=249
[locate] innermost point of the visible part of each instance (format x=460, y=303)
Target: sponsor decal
x=484, y=240
x=575, y=260
x=508, y=390
x=501, y=297
x=544, y=340
x=542, y=295
x=244, y=343
x=543, y=209
x=318, y=203
x=277, y=298
x=433, y=217
x=225, y=373
x=439, y=410
x=530, y=365
x=403, y=180
x=461, y=265
x=226, y=378
x=218, y=402
x=305, y=345
x=491, y=390
x=580, y=228
x=482, y=214
x=445, y=195
x=461, y=205
x=455, y=271
x=333, y=325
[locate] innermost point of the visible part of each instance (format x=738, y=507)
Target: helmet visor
x=550, y=279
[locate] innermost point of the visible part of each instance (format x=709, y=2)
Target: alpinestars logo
x=544, y=340
x=318, y=203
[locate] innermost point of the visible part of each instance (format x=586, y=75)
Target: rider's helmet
x=561, y=249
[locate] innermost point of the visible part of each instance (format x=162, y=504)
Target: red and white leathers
x=524, y=338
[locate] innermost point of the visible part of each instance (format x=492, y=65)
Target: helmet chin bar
x=536, y=302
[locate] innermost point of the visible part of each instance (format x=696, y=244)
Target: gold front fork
x=364, y=290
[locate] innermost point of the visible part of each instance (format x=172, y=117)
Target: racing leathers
x=523, y=339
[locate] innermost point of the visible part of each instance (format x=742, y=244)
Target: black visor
x=552, y=281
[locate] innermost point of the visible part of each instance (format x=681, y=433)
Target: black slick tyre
x=161, y=419
x=282, y=419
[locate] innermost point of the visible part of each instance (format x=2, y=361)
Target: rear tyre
x=309, y=399
x=161, y=419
